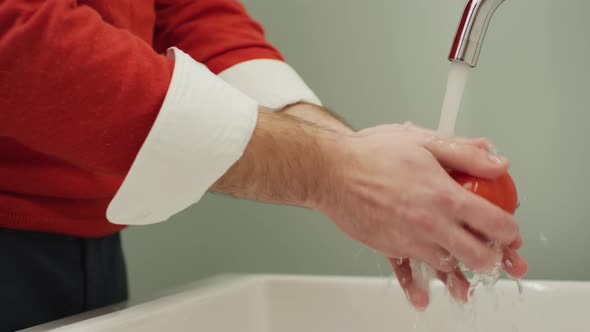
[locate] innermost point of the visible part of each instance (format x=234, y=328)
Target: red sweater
x=81, y=83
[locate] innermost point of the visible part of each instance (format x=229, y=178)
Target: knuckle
x=510, y=236
x=484, y=143
x=504, y=228
x=424, y=221
x=452, y=242
x=444, y=268
x=445, y=199
x=473, y=156
x=513, y=227
x=478, y=158
x=446, y=262
x=402, y=214
x=458, y=200
x=481, y=260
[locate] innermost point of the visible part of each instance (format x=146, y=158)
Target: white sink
x=301, y=303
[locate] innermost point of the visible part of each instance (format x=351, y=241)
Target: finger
x=513, y=263
x=436, y=137
x=435, y=256
x=486, y=218
x=433, y=136
x=403, y=271
x=468, y=158
x=457, y=284
x=516, y=244
x=417, y=296
x=479, y=142
x=468, y=249
x=430, y=232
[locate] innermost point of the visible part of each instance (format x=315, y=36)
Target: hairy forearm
x=284, y=162
x=319, y=116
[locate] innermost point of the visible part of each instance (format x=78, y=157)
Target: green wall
x=383, y=61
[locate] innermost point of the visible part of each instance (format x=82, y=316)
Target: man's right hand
x=388, y=188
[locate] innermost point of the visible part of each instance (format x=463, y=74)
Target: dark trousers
x=44, y=277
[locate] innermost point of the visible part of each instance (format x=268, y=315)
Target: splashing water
x=422, y=273
x=490, y=277
x=456, y=82
x=543, y=238
x=520, y=287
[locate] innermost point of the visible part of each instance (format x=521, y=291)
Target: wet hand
x=455, y=281
x=389, y=189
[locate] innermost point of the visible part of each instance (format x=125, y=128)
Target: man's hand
x=456, y=282
x=389, y=189
x=386, y=187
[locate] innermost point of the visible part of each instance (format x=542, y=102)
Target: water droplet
x=493, y=150
x=468, y=185
x=422, y=274
x=520, y=287
x=543, y=238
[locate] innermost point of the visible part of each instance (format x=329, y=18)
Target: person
x=118, y=113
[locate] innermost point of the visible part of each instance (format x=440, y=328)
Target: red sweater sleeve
x=75, y=87
x=218, y=33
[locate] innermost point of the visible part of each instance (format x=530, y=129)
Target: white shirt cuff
x=272, y=83
x=202, y=129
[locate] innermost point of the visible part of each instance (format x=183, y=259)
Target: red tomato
x=500, y=191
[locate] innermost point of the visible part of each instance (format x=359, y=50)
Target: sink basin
x=265, y=303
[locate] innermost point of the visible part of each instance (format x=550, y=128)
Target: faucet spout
x=472, y=29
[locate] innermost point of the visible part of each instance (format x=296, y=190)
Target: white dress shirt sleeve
x=272, y=83
x=202, y=129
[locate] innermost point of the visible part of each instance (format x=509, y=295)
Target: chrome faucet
x=472, y=29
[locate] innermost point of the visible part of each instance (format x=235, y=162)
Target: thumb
x=468, y=156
